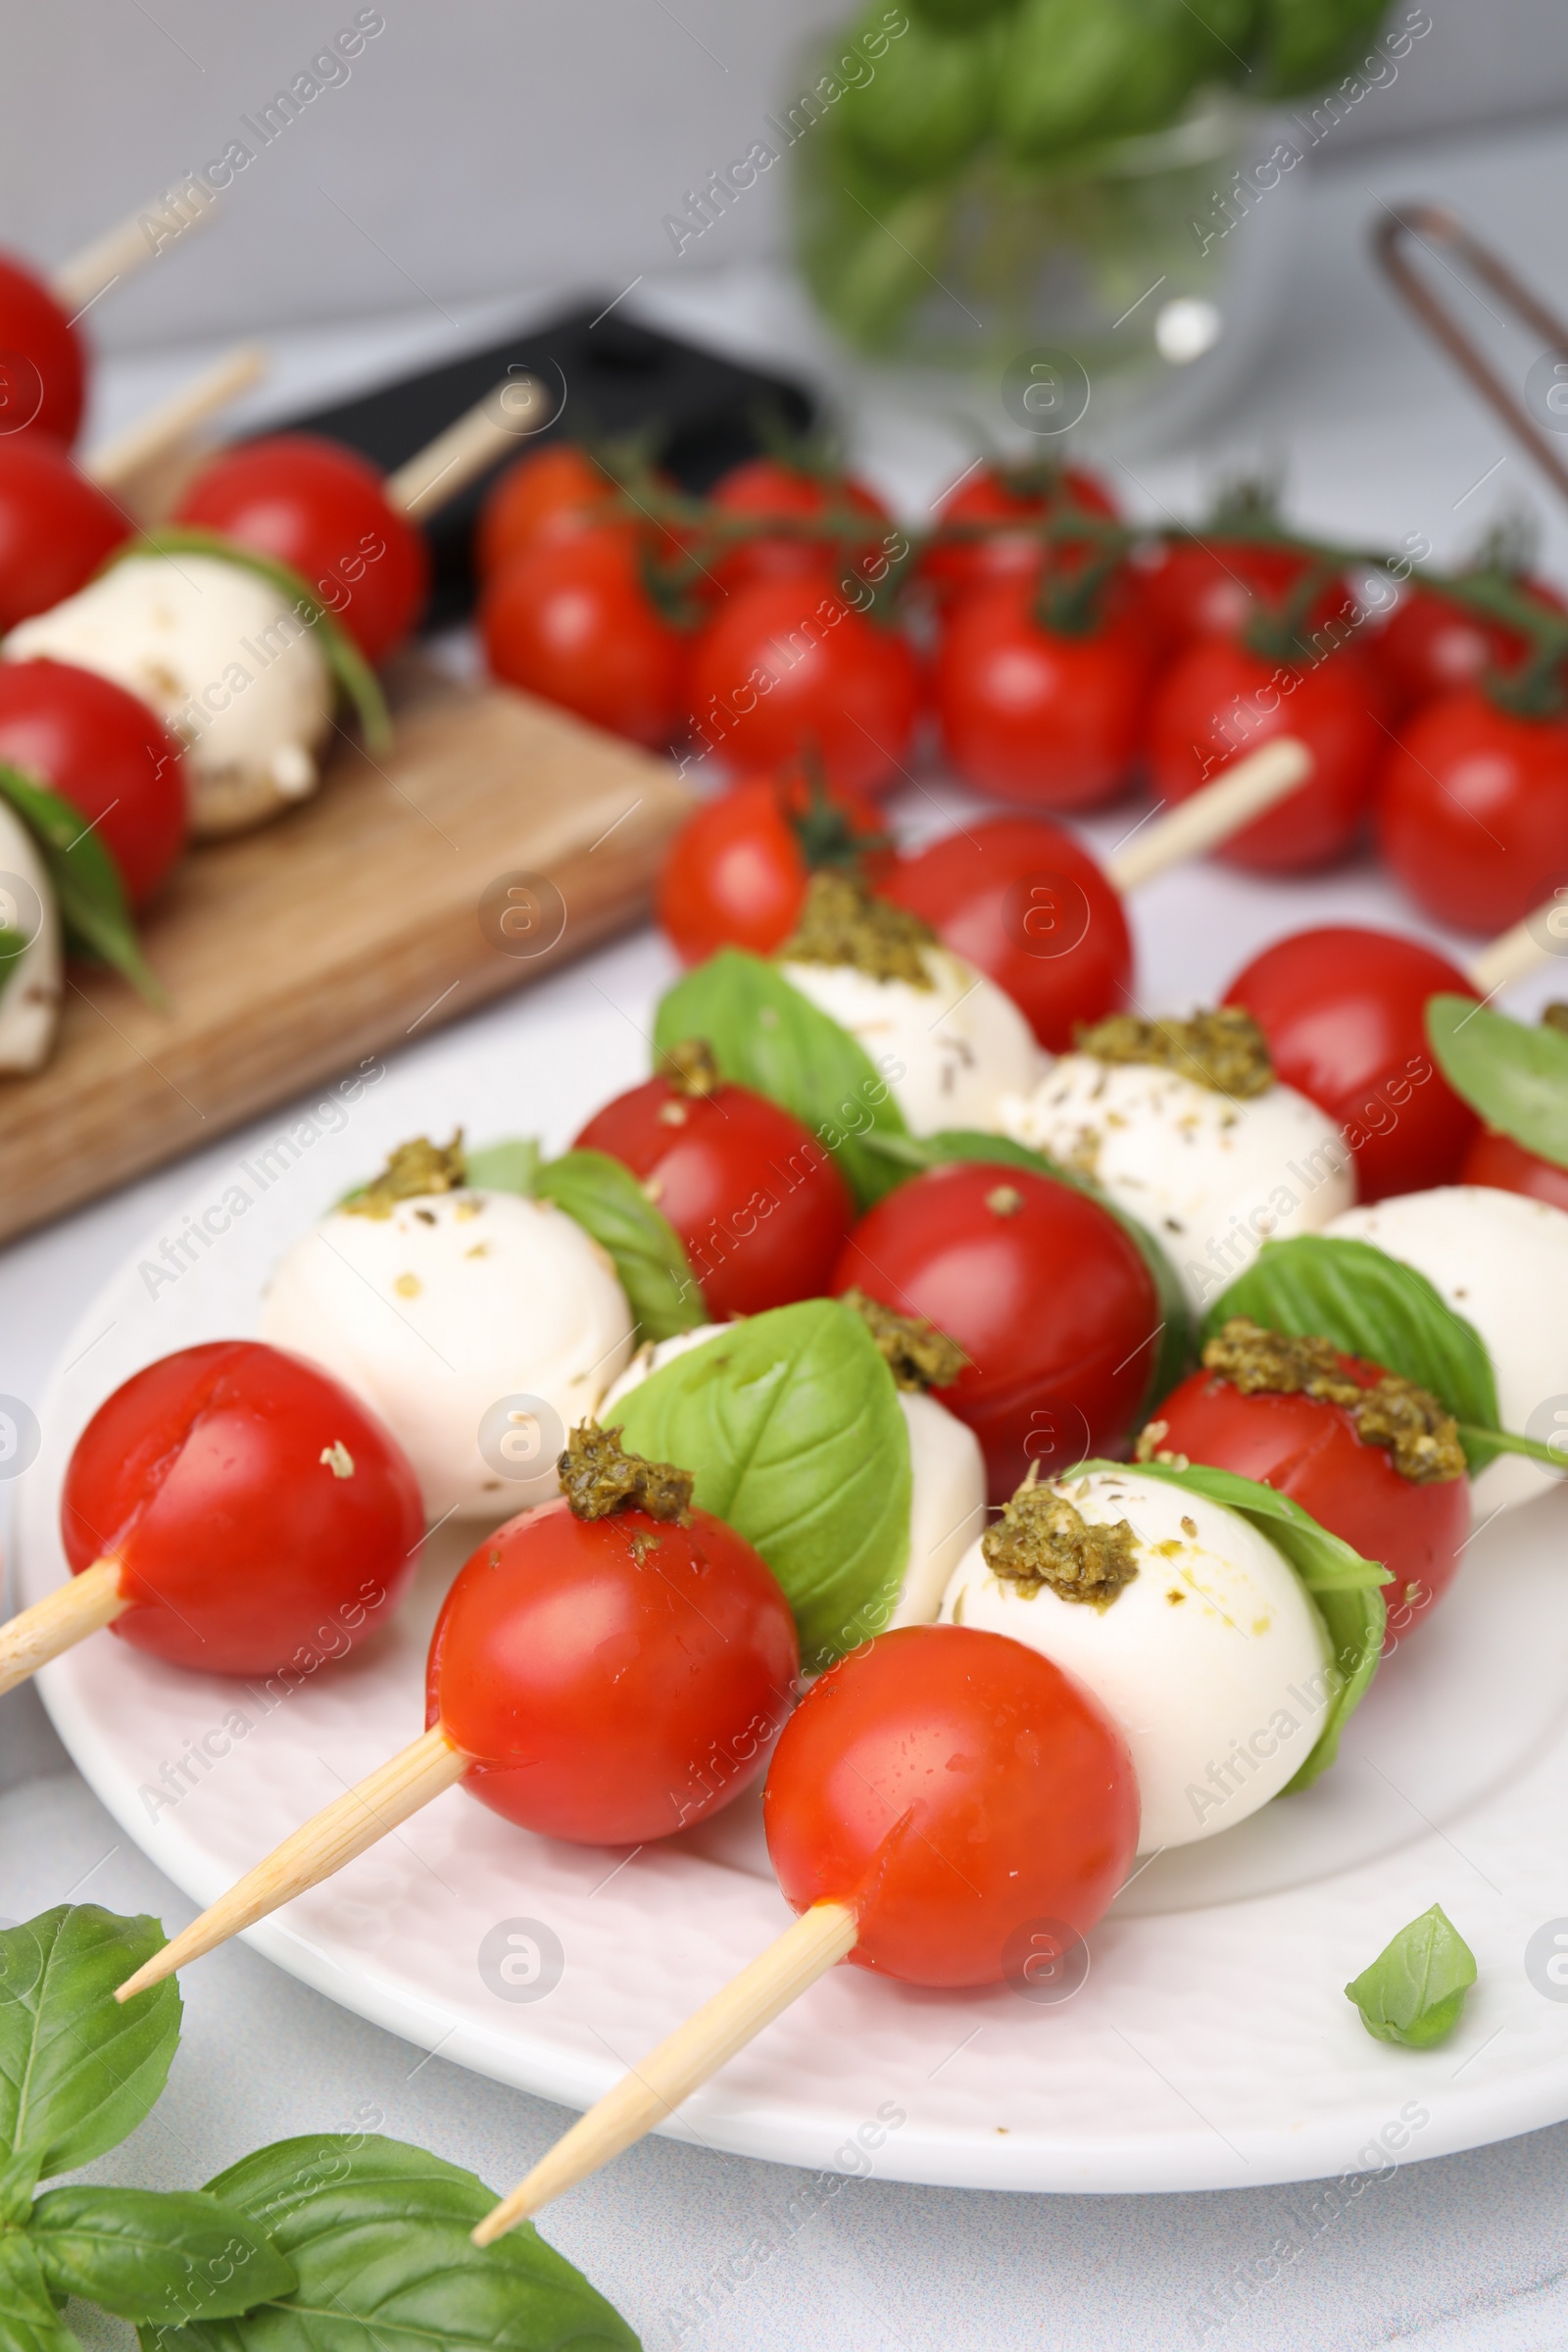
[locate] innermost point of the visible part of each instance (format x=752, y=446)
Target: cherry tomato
x=1031, y=714
x=43, y=376
x=1195, y=588
x=614, y=1680
x=788, y=667
x=1043, y=1290
x=1429, y=646
x=764, y=488
x=1508, y=1167
x=571, y=619
x=551, y=493
x=991, y=494
x=1024, y=903
x=105, y=752
x=263, y=1517
x=1219, y=701
x=1311, y=1451
x=1473, y=816
x=760, y=1206
x=737, y=871
x=56, y=527
x=324, y=510
x=964, y=1796
x=1344, y=1011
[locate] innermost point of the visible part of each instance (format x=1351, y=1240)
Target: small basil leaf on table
x=767, y=1036
x=86, y=881
x=1415, y=1991
x=1515, y=1076
x=28, y=2318
x=377, y=2234
x=608, y=1201
x=154, y=2256
x=77, y=2072
x=792, y=1425
x=1346, y=1589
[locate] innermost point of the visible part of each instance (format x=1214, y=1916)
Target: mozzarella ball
x=949, y=1053
x=1212, y=1178
x=30, y=985
x=224, y=659
x=1212, y=1660
x=1500, y=1261
x=481, y=1327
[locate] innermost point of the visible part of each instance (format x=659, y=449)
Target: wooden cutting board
x=499, y=836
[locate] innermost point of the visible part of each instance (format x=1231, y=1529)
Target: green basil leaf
x=156, y=2257
x=765, y=1035
x=78, y=2071
x=793, y=1426
x=28, y=2320
x=1414, y=1990
x=377, y=2232
x=1370, y=1304
x=350, y=672
x=93, y=906
x=1516, y=1077
x=607, y=1201
x=1346, y=1589
x=512, y=1166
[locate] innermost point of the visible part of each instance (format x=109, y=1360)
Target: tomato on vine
x=571, y=618
x=551, y=493
x=767, y=489
x=1031, y=496
x=736, y=873
x=1473, y=810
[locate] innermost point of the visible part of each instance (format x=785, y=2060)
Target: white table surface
x=703, y=2251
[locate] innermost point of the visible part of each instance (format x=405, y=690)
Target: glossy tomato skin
x=736, y=874
x=1474, y=812
x=43, y=375
x=1030, y=714
x=322, y=510
x=551, y=493
x=765, y=487
x=760, y=1206
x=961, y=1794
x=1196, y=588
x=106, y=752
x=1309, y=1450
x=790, y=667
x=1498, y=1161
x=1430, y=647
x=614, y=1680
x=1026, y=905
x=1219, y=701
x=570, y=620
x=243, y=1550
x=986, y=495
x=1344, y=1011
x=56, y=527
x=1043, y=1290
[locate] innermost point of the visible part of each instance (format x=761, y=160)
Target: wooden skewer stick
x=468, y=448
x=341, y=1831
x=59, y=1621
x=818, y=1939
x=1543, y=935
x=129, y=246
x=164, y=428
x=1211, y=815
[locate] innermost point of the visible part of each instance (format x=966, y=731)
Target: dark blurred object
x=703, y=414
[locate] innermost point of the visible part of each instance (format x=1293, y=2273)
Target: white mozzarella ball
x=1500, y=1261
x=950, y=1052
x=480, y=1326
x=224, y=659
x=30, y=984
x=1212, y=1661
x=1211, y=1177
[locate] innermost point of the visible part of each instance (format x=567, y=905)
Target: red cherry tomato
x=43, y=376
x=1474, y=812
x=1220, y=701
x=1043, y=1290
x=105, y=752
x=990, y=494
x=1024, y=903
x=1195, y=588
x=324, y=510
x=56, y=527
x=789, y=667
x=972, y=1803
x=1344, y=1011
x=1310, y=1449
x=553, y=493
x=737, y=871
x=216, y=1478
x=1508, y=1167
x=614, y=1680
x=1429, y=646
x=764, y=488
x=1034, y=715
x=571, y=619
x=760, y=1206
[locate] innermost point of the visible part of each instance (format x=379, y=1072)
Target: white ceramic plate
x=1211, y=2046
